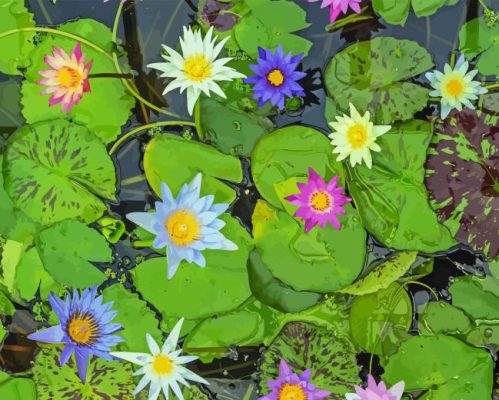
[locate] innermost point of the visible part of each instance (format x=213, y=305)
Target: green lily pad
x=290, y=152
x=380, y=321
x=10, y=107
x=443, y=366
x=135, y=316
x=67, y=250
x=319, y=261
x=224, y=280
x=175, y=161
x=110, y=380
x=373, y=76
x=271, y=291
x=12, y=388
x=396, y=11
x=106, y=107
x=16, y=48
x=391, y=197
x=228, y=128
x=271, y=23
x=332, y=360
x=441, y=317
x=64, y=181
x=6, y=306
x=476, y=38
x=383, y=275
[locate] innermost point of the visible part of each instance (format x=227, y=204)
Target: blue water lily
x=85, y=328
x=185, y=225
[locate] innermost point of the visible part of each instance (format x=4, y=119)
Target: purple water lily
x=290, y=386
x=276, y=77
x=85, y=328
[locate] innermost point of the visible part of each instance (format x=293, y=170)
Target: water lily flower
x=67, y=78
x=162, y=368
x=355, y=136
x=290, y=386
x=186, y=225
x=84, y=328
x=339, y=6
x=276, y=77
x=197, y=69
x=377, y=392
x=319, y=202
x=455, y=86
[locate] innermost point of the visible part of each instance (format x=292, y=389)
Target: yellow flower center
x=275, y=78
x=82, y=328
x=183, y=227
x=162, y=365
x=455, y=87
x=197, y=67
x=321, y=201
x=357, y=135
x=292, y=392
x=69, y=78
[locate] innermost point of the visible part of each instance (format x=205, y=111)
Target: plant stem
x=435, y=295
x=111, y=75
x=483, y=4
x=122, y=139
x=116, y=22
x=492, y=86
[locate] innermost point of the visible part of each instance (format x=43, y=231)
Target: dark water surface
x=149, y=23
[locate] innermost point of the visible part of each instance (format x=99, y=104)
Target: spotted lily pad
x=56, y=170
x=332, y=360
x=391, y=197
x=105, y=108
x=462, y=176
x=110, y=380
x=373, y=76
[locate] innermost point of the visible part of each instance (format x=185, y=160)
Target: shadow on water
x=149, y=23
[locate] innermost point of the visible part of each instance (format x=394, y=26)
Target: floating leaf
x=93, y=111
x=110, y=380
x=373, y=76
x=290, y=152
x=229, y=129
x=383, y=275
x=332, y=360
x=10, y=107
x=171, y=159
x=443, y=366
x=67, y=250
x=6, y=306
x=476, y=38
x=318, y=261
x=56, y=170
x=224, y=280
x=396, y=11
x=112, y=229
x=12, y=388
x=16, y=48
x=441, y=317
x=462, y=175
x=391, y=197
x=380, y=321
x=271, y=23
x=134, y=316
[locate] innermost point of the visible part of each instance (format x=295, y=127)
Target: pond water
x=147, y=24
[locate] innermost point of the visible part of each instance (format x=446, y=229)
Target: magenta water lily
x=85, y=328
x=375, y=391
x=319, y=202
x=276, y=77
x=339, y=6
x=290, y=386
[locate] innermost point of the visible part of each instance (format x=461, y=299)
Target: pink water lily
x=375, y=391
x=339, y=6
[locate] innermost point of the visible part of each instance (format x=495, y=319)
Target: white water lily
x=197, y=69
x=162, y=368
x=355, y=136
x=455, y=86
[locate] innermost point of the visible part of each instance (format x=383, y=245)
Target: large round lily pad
x=56, y=170
x=373, y=76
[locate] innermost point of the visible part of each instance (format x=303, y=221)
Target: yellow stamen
x=357, y=135
x=162, y=365
x=292, y=392
x=69, y=78
x=455, y=87
x=183, y=227
x=321, y=201
x=197, y=67
x=82, y=328
x=275, y=78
